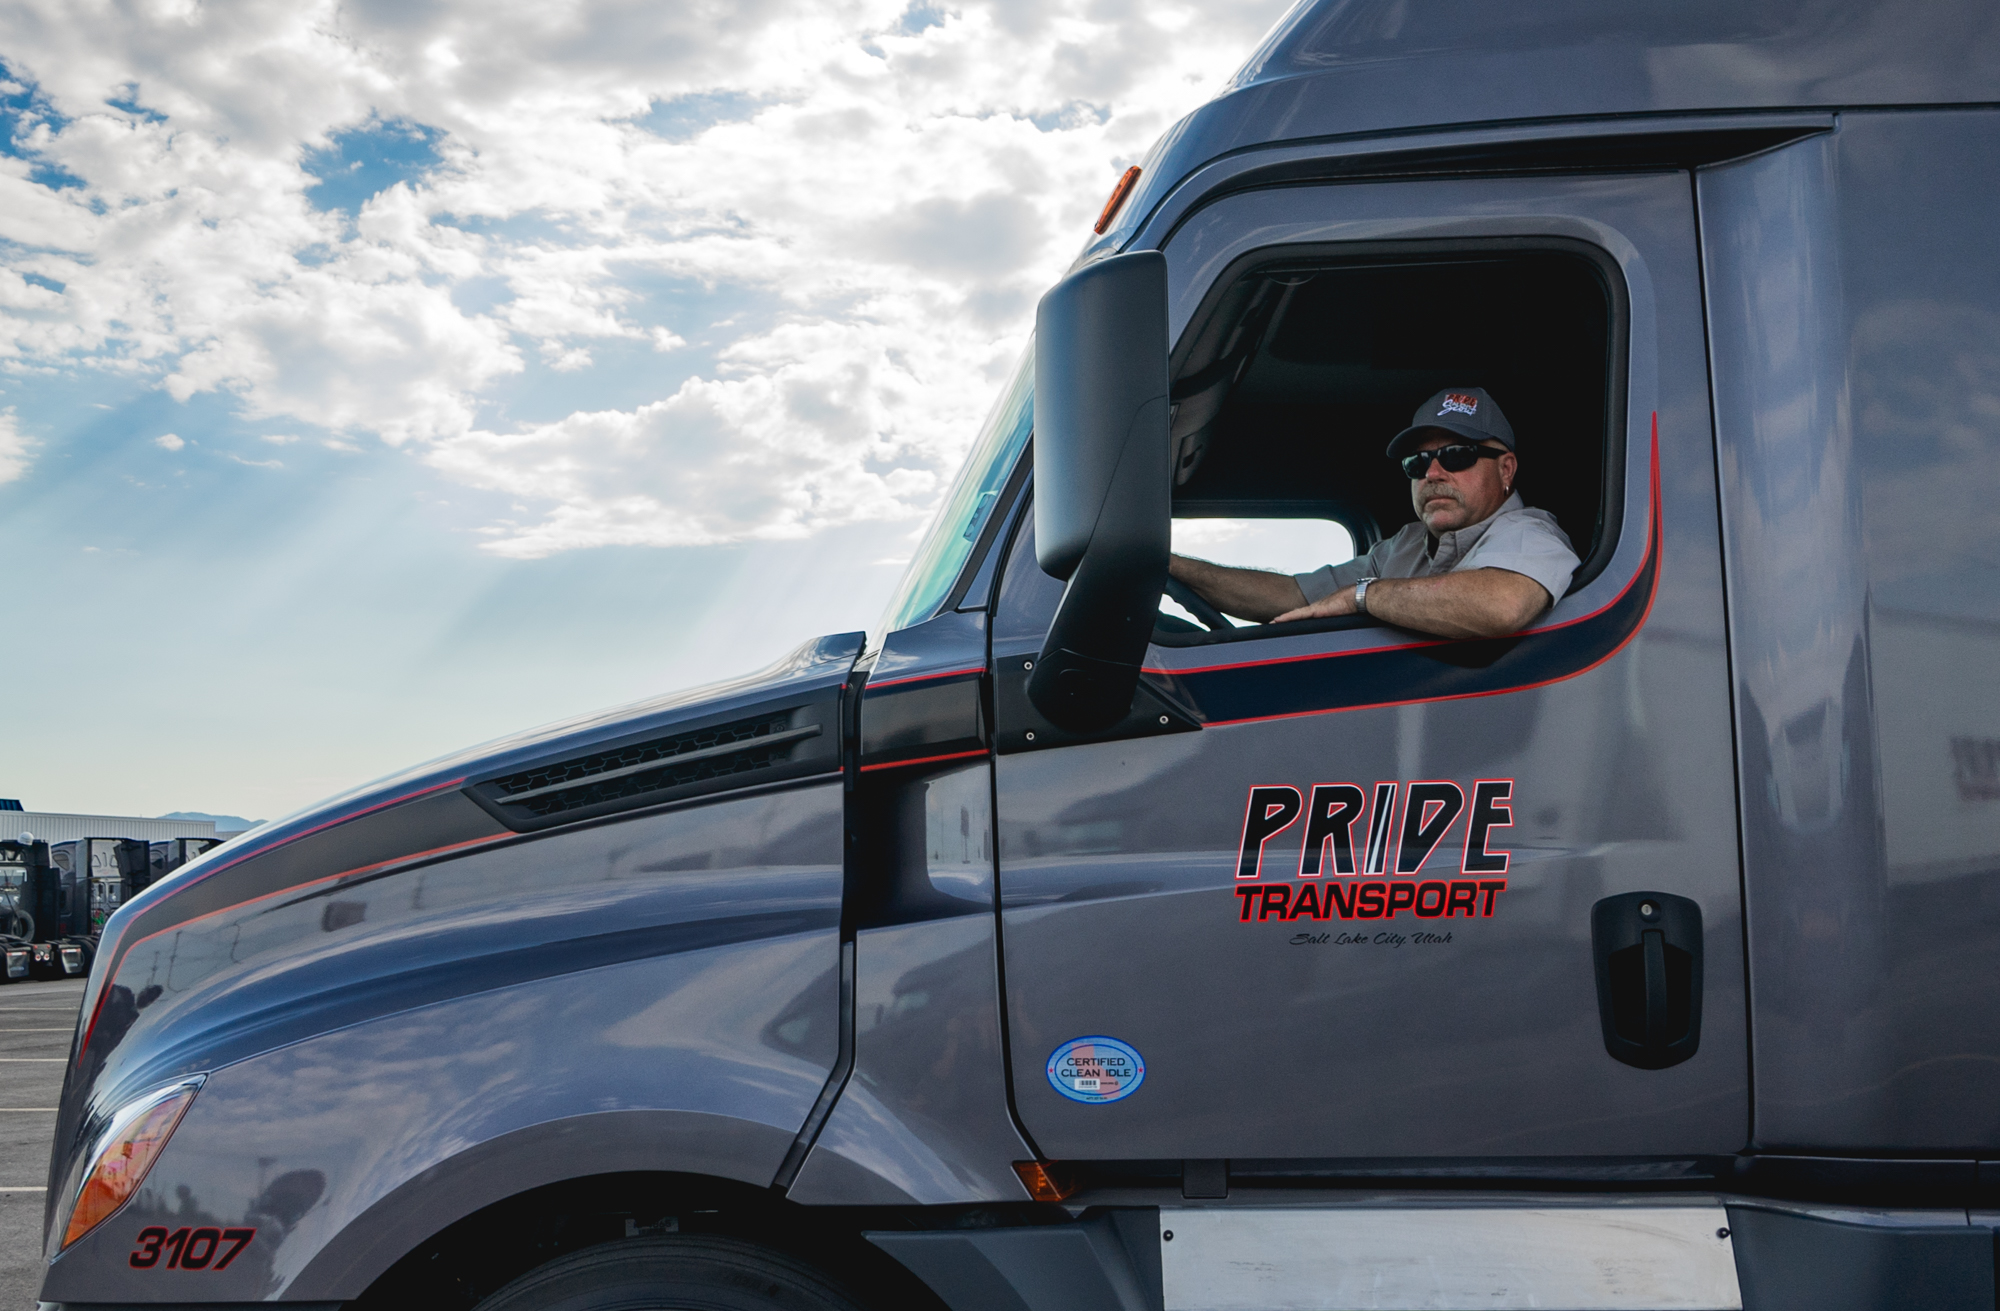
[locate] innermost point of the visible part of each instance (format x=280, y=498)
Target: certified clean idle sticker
x=1096, y=1069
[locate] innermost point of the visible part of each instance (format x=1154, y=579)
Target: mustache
x=1432, y=491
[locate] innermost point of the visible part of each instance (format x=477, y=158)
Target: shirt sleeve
x=1330, y=578
x=1528, y=544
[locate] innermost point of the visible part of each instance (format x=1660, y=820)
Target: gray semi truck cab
x=1045, y=949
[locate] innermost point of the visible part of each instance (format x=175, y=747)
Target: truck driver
x=1478, y=562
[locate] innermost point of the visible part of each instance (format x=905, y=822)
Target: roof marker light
x=1117, y=201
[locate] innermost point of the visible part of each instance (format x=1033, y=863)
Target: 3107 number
x=189, y=1249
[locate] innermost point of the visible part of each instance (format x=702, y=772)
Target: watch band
x=1361, y=595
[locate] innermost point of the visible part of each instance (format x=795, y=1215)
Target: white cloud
x=169, y=441
x=565, y=360
x=810, y=435
x=15, y=449
x=849, y=208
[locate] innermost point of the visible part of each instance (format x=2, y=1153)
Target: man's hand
x=1470, y=603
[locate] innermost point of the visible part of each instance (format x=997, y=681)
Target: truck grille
x=622, y=773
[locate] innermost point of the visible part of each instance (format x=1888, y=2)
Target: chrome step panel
x=1462, y=1258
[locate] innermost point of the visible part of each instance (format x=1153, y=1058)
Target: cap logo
x=1457, y=402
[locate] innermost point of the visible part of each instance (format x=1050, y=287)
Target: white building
x=51, y=826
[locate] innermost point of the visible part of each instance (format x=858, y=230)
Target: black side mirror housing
x=1103, y=482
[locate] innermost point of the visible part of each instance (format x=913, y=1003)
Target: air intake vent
x=642, y=772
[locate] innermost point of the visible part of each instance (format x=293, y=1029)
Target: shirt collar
x=1454, y=544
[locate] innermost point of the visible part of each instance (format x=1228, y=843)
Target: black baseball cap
x=1465, y=411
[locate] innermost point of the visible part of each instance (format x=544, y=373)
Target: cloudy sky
x=379, y=377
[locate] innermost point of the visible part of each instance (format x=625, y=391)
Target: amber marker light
x=126, y=1149
x=1117, y=201
x=1046, y=1180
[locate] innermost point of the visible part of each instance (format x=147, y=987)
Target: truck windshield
x=952, y=535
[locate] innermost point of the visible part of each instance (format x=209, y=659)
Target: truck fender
x=609, y=1142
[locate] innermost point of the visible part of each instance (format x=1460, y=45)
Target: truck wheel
x=691, y=1273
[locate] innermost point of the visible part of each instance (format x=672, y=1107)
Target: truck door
x=1344, y=893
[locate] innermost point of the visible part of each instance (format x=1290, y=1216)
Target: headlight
x=116, y=1162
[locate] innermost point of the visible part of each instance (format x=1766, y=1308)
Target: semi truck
x=22, y=871
x=167, y=855
x=48, y=911
x=109, y=871
x=1044, y=948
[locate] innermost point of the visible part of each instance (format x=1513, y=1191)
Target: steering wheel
x=1190, y=601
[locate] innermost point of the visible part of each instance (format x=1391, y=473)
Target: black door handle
x=1657, y=1034
x=1648, y=949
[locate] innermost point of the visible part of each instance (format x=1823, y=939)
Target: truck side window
x=1027, y=602
x=1303, y=362
x=1283, y=544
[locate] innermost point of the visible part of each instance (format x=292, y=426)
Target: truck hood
x=427, y=812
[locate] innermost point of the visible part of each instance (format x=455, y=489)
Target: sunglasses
x=1456, y=458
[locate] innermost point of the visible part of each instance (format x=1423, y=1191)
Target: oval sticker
x=1096, y=1069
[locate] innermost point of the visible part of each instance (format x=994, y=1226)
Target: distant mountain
x=224, y=824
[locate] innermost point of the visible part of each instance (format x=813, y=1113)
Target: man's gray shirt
x=1514, y=537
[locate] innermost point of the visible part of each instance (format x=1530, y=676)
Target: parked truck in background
x=165, y=856
x=93, y=877
x=1044, y=949
x=52, y=905
x=22, y=872
x=116, y=869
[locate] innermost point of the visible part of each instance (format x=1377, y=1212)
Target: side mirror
x=1103, y=483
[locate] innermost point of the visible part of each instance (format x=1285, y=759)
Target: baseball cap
x=1466, y=411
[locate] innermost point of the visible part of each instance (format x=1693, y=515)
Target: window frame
x=988, y=551
x=1319, y=256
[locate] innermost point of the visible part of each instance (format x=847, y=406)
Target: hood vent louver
x=656, y=769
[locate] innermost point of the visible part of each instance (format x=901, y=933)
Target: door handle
x=1648, y=951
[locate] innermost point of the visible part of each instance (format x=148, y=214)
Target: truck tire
x=674, y=1273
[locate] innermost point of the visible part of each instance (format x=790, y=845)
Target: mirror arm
x=1089, y=666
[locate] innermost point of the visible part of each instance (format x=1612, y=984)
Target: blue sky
x=378, y=379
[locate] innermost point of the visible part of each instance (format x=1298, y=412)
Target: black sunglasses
x=1456, y=458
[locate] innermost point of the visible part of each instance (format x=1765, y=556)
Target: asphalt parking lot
x=36, y=1021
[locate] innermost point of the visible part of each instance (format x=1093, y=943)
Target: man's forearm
x=1475, y=603
x=1251, y=594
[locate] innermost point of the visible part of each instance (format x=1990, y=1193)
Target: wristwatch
x=1361, y=596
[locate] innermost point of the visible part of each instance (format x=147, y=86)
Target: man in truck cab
x=1479, y=562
